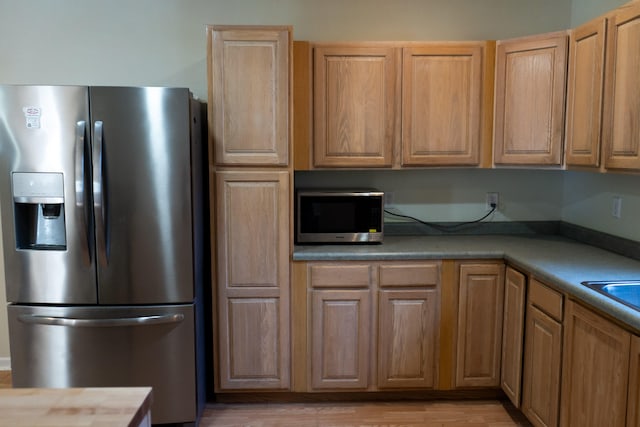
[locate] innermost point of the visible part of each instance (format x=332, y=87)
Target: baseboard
x=5, y=363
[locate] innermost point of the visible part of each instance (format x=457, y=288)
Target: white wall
x=588, y=199
x=456, y=194
x=162, y=42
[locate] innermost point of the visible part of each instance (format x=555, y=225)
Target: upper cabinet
x=530, y=100
x=356, y=90
x=391, y=105
x=621, y=121
x=584, y=94
x=445, y=88
x=248, y=79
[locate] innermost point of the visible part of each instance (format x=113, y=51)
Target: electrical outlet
x=493, y=199
x=616, y=207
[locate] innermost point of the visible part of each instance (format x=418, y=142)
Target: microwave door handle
x=81, y=207
x=99, y=204
x=120, y=321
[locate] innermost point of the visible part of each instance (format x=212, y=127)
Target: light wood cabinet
x=373, y=326
x=633, y=400
x=621, y=120
x=392, y=105
x=479, y=330
x=249, y=87
x=584, y=93
x=408, y=320
x=444, y=111
x=356, y=100
x=340, y=338
x=252, y=241
x=515, y=287
x=530, y=100
x=543, y=356
x=595, y=370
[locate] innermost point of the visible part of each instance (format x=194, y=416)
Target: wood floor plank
x=459, y=413
x=378, y=414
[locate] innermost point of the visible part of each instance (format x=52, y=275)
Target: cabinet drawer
x=340, y=275
x=401, y=274
x=546, y=299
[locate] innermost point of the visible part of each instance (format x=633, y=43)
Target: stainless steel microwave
x=339, y=216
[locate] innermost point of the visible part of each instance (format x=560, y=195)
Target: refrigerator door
x=45, y=194
x=63, y=347
x=142, y=194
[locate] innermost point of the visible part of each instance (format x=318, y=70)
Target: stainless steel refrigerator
x=102, y=216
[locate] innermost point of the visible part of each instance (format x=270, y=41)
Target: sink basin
x=626, y=292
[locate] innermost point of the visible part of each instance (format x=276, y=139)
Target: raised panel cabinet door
x=252, y=287
x=252, y=213
x=407, y=338
x=513, y=334
x=530, y=100
x=249, y=105
x=542, y=364
x=340, y=339
x=621, y=121
x=633, y=401
x=479, y=336
x=595, y=370
x=442, y=98
x=584, y=93
x=251, y=353
x=356, y=105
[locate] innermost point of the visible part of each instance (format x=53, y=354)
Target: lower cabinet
x=543, y=356
x=252, y=280
x=633, y=400
x=407, y=331
x=479, y=336
x=515, y=287
x=340, y=338
x=356, y=308
x=595, y=370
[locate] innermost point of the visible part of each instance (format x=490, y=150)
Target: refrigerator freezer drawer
x=119, y=346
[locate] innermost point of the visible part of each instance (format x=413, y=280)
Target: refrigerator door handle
x=99, y=202
x=122, y=321
x=80, y=179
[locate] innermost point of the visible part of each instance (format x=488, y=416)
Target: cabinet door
x=621, y=122
x=340, y=339
x=595, y=370
x=249, y=102
x=513, y=334
x=542, y=361
x=252, y=213
x=633, y=401
x=529, y=104
x=584, y=93
x=407, y=338
x=356, y=105
x=479, y=336
x=442, y=90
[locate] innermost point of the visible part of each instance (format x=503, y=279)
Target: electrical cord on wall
x=442, y=227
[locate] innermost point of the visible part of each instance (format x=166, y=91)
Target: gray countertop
x=554, y=260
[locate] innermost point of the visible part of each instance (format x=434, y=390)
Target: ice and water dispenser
x=38, y=200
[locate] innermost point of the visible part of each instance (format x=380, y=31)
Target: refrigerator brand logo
x=32, y=117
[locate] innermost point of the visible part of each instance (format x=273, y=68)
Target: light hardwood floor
x=465, y=413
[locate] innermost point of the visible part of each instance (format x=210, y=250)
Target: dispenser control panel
x=30, y=187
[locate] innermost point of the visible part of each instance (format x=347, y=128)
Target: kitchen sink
x=626, y=292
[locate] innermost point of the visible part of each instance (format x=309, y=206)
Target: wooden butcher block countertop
x=111, y=406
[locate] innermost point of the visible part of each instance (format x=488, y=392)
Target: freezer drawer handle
x=124, y=321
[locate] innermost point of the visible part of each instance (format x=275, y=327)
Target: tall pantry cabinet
x=249, y=71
